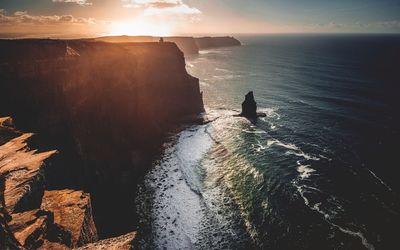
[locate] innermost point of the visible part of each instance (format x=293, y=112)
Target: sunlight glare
x=139, y=28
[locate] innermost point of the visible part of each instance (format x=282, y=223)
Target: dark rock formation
x=105, y=107
x=7, y=239
x=215, y=42
x=249, y=106
x=188, y=45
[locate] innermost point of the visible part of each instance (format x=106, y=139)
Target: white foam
x=222, y=70
x=327, y=217
x=227, y=76
x=191, y=147
x=304, y=155
x=204, y=84
x=270, y=112
x=305, y=171
x=380, y=180
x=288, y=146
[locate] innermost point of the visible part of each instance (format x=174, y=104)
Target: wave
x=380, y=180
x=293, y=149
x=304, y=170
x=204, y=84
x=227, y=76
x=270, y=112
x=190, y=149
x=302, y=189
x=223, y=70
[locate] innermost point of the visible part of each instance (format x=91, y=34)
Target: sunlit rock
x=73, y=212
x=124, y=242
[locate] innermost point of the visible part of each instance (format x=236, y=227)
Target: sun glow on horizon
x=139, y=28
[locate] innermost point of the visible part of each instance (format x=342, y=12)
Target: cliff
x=32, y=217
x=215, y=42
x=105, y=107
x=188, y=45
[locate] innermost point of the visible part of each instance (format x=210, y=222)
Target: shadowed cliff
x=188, y=45
x=105, y=107
x=215, y=42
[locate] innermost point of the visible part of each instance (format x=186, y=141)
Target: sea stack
x=249, y=106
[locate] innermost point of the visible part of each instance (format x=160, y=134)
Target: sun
x=139, y=28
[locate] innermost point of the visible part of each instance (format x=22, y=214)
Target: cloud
x=22, y=17
x=79, y=2
x=162, y=7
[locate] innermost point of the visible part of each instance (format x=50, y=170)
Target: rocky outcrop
x=215, y=42
x=30, y=216
x=249, y=107
x=124, y=242
x=72, y=212
x=7, y=239
x=30, y=227
x=105, y=107
x=23, y=174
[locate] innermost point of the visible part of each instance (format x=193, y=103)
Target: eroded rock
x=30, y=227
x=73, y=212
x=249, y=106
x=23, y=173
x=123, y=242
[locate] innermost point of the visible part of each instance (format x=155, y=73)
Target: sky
x=64, y=18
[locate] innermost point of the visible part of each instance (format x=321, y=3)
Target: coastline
x=109, y=148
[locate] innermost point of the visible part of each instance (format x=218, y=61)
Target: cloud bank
x=79, y=2
x=22, y=17
x=161, y=7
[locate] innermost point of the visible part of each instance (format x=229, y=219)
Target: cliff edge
x=188, y=45
x=32, y=217
x=216, y=42
x=105, y=107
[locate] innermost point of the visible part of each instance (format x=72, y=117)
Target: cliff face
x=188, y=45
x=30, y=216
x=215, y=42
x=105, y=107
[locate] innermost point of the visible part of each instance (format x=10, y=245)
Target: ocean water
x=318, y=172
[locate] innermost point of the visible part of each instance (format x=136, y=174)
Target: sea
x=320, y=171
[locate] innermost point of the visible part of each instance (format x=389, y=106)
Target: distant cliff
x=215, y=42
x=188, y=45
x=105, y=107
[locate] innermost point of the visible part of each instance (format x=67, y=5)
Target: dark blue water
x=319, y=172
